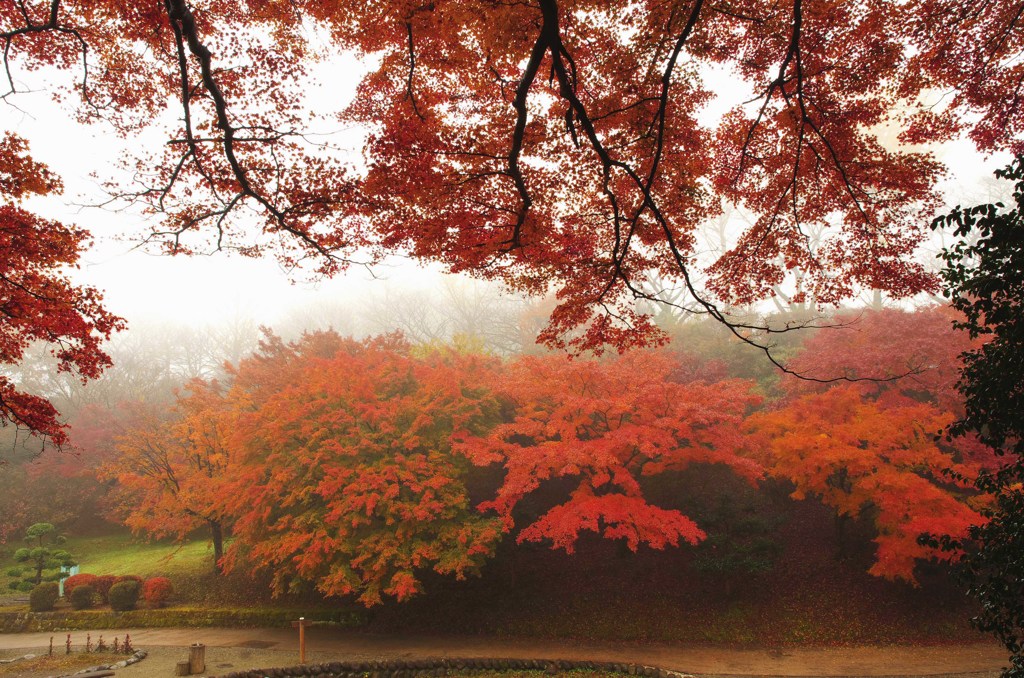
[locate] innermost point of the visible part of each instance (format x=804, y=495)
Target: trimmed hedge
x=157, y=591
x=103, y=584
x=82, y=597
x=124, y=595
x=43, y=597
x=76, y=580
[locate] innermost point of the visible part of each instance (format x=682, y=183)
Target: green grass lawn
x=188, y=565
x=120, y=553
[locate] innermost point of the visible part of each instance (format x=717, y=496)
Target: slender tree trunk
x=876, y=300
x=217, y=534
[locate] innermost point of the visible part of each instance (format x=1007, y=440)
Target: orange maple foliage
x=854, y=454
x=608, y=423
x=899, y=357
x=171, y=468
x=345, y=476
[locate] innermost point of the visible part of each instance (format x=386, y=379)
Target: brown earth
x=236, y=649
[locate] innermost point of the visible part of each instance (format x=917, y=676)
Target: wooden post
x=182, y=668
x=196, y=658
x=301, y=625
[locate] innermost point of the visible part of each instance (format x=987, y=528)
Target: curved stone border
x=22, y=658
x=134, y=659
x=430, y=668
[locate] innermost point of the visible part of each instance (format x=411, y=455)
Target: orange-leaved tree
x=856, y=454
x=346, y=480
x=171, y=468
x=606, y=424
x=897, y=358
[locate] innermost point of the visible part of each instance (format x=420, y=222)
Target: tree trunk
x=876, y=300
x=217, y=534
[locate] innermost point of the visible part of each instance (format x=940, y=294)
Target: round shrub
x=128, y=577
x=124, y=595
x=103, y=584
x=76, y=580
x=43, y=597
x=82, y=597
x=156, y=591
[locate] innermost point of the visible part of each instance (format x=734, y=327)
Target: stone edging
x=23, y=657
x=84, y=620
x=134, y=659
x=429, y=668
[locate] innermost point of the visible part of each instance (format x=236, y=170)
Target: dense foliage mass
x=548, y=144
x=169, y=467
x=984, y=276
x=38, y=303
x=357, y=467
x=344, y=472
x=605, y=425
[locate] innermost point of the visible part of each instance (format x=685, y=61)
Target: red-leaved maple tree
x=894, y=353
x=608, y=423
x=345, y=477
x=38, y=303
x=551, y=143
x=854, y=454
x=896, y=358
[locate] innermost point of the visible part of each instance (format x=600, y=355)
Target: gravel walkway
x=230, y=650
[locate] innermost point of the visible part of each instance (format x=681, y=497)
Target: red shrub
x=76, y=580
x=156, y=591
x=103, y=584
x=128, y=577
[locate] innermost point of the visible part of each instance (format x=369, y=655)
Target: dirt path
x=234, y=649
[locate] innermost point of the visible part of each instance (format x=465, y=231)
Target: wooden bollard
x=196, y=658
x=182, y=668
x=301, y=625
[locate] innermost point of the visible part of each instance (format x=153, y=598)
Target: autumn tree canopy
x=38, y=303
x=356, y=466
x=897, y=355
x=344, y=478
x=547, y=144
x=172, y=467
x=855, y=455
x=604, y=425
